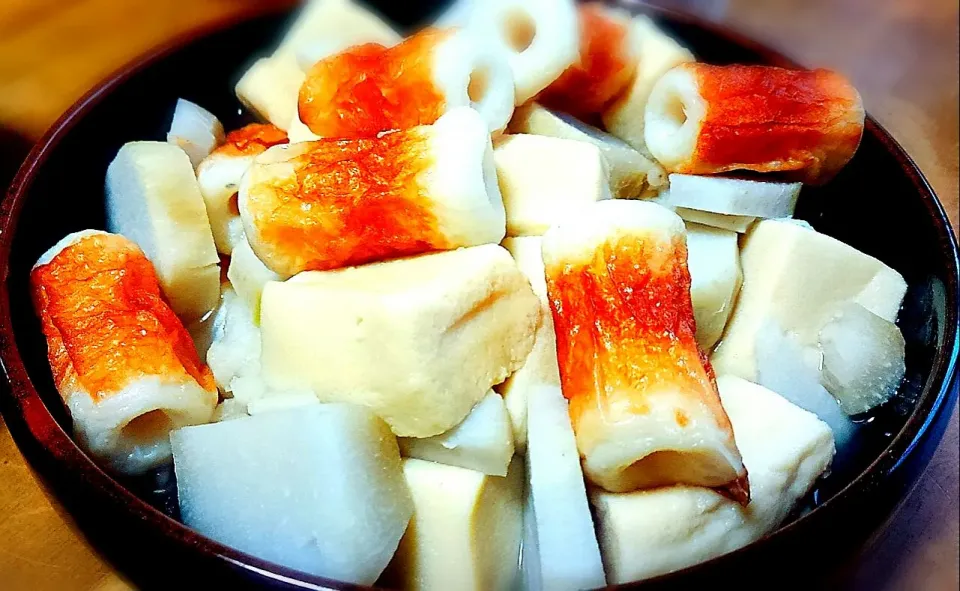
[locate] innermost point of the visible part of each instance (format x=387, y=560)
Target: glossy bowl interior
x=879, y=204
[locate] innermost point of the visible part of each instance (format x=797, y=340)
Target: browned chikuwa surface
x=901, y=54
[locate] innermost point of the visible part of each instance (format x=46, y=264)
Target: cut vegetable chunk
x=733, y=223
x=863, y=358
x=643, y=399
x=465, y=532
x=657, y=53
x=124, y=365
x=539, y=37
x=270, y=89
x=248, y=275
x=704, y=119
x=566, y=547
x=714, y=261
x=229, y=410
x=281, y=402
x=319, y=489
x=739, y=197
x=482, y=442
x=195, y=130
x=800, y=278
x=369, y=89
x=420, y=341
x=544, y=180
x=153, y=199
x=526, y=251
x=540, y=367
x=649, y=533
x=791, y=371
x=219, y=179
x=235, y=350
x=630, y=173
x=332, y=203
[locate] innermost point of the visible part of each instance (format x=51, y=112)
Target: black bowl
x=880, y=204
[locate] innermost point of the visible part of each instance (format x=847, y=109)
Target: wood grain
x=901, y=54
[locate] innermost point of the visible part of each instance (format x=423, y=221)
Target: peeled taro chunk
x=863, y=358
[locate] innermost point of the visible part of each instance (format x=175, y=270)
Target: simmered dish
x=515, y=302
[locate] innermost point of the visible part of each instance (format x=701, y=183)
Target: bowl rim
x=61, y=452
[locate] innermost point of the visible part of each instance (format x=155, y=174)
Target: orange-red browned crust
x=604, y=70
x=106, y=322
x=769, y=119
x=368, y=89
x=624, y=323
x=251, y=140
x=352, y=202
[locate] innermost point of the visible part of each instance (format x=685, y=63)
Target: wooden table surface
x=901, y=54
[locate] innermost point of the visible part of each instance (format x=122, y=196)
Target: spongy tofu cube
x=649, y=533
x=319, y=489
x=465, y=532
x=419, y=341
x=631, y=174
x=482, y=442
x=544, y=180
x=798, y=279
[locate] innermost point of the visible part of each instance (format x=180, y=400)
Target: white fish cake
x=658, y=52
x=123, y=363
x=219, y=175
x=631, y=174
x=541, y=38
x=333, y=203
x=426, y=76
x=545, y=180
x=643, y=400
